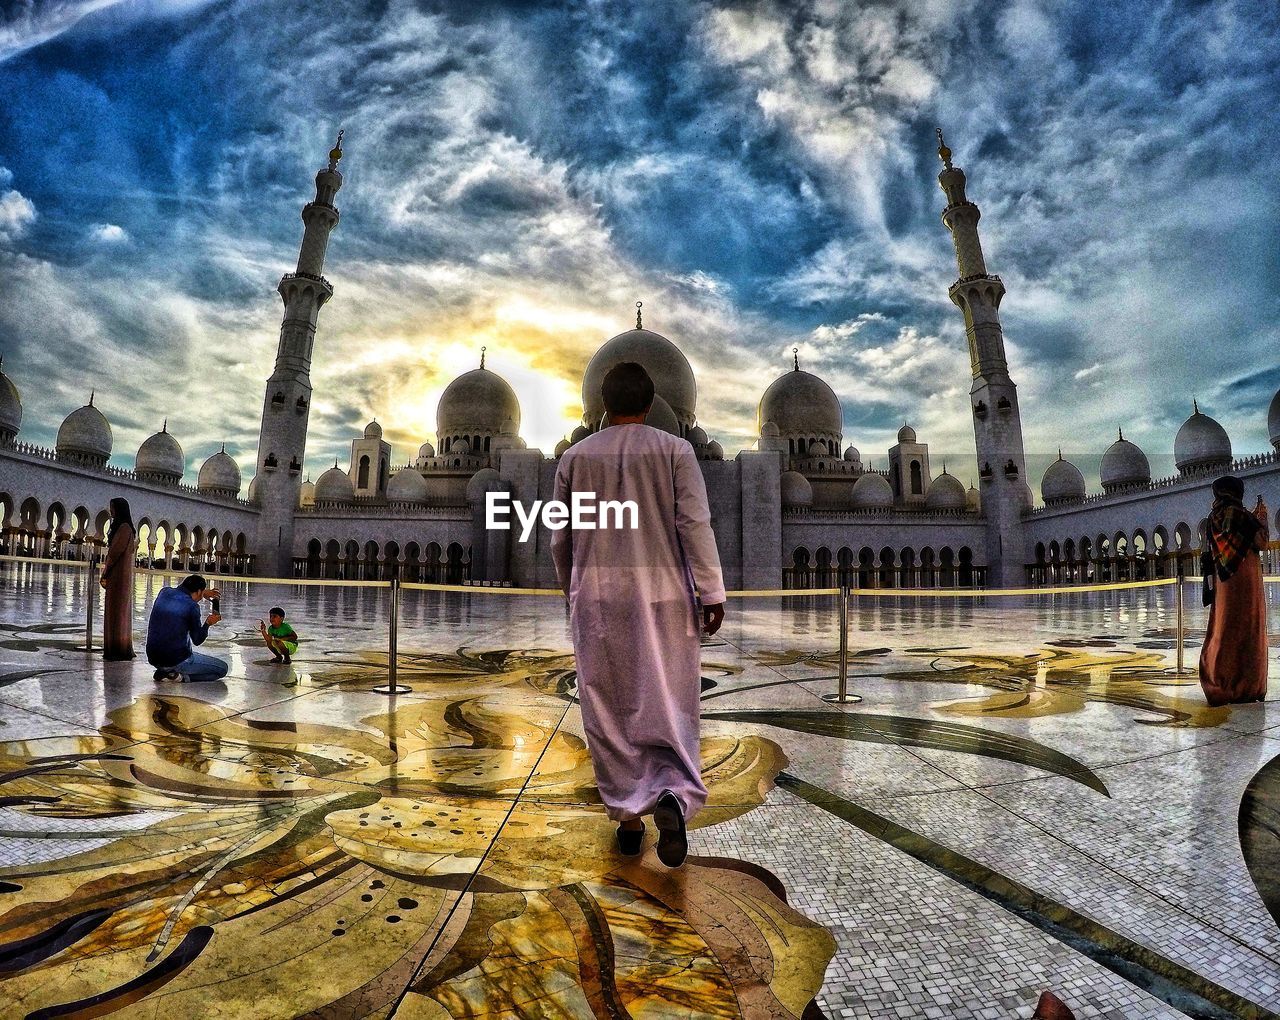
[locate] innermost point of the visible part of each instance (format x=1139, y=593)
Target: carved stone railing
x=895, y=514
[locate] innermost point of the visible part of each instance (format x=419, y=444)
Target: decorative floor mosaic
x=1028, y=798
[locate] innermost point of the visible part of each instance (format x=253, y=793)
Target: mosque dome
x=1201, y=443
x=220, y=474
x=906, y=434
x=373, y=430
x=769, y=430
x=1062, y=482
x=662, y=416
x=1124, y=464
x=334, y=488
x=946, y=492
x=973, y=498
x=307, y=494
x=561, y=446
x=669, y=369
x=407, y=486
x=800, y=403
x=10, y=408
x=579, y=433
x=425, y=452
x=1273, y=421
x=852, y=455
x=715, y=451
x=252, y=495
x=871, y=490
x=796, y=490
x=478, y=401
x=160, y=458
x=479, y=484
x=697, y=436
x=462, y=448
x=85, y=435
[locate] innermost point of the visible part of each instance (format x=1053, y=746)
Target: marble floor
x=1028, y=797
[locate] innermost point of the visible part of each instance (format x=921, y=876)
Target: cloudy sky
x=761, y=175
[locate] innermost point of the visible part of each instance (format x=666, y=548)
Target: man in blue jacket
x=175, y=626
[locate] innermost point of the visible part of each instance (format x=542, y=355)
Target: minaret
x=993, y=398
x=282, y=442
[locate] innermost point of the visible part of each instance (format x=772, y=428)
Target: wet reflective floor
x=1028, y=797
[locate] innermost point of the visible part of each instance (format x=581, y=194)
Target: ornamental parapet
x=888, y=514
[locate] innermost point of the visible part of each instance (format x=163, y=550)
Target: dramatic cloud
x=761, y=175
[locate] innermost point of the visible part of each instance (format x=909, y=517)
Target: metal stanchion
x=842, y=696
x=391, y=687
x=91, y=583
x=1181, y=617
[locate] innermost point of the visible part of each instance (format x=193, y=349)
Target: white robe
x=634, y=613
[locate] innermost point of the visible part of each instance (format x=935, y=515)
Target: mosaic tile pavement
x=1027, y=798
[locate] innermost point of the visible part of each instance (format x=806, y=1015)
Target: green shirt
x=283, y=631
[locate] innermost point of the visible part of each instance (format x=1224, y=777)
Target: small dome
x=796, y=490
x=661, y=416
x=10, y=407
x=425, y=452
x=946, y=492
x=1062, y=483
x=1273, y=421
x=1201, y=443
x=160, y=458
x=85, y=434
x=478, y=401
x=906, y=434
x=579, y=433
x=561, y=446
x=373, y=430
x=334, y=487
x=769, y=430
x=1124, y=464
x=407, y=486
x=697, y=436
x=252, y=494
x=669, y=369
x=479, y=483
x=508, y=427
x=715, y=451
x=851, y=454
x=462, y=448
x=871, y=490
x=220, y=474
x=800, y=403
x=973, y=498
x=307, y=494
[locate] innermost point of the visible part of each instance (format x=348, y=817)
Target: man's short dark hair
x=627, y=389
x=193, y=583
x=275, y=611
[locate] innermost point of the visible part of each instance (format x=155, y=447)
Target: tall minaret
x=993, y=398
x=282, y=442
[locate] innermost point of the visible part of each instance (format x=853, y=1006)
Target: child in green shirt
x=279, y=637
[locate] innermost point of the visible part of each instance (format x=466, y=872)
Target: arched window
x=917, y=481
x=362, y=475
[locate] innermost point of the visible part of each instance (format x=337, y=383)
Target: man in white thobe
x=634, y=597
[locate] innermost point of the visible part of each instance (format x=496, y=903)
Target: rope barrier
x=984, y=592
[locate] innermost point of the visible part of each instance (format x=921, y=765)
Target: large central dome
x=477, y=402
x=667, y=367
x=801, y=404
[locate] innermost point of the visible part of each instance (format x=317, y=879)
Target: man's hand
x=712, y=617
x=213, y=618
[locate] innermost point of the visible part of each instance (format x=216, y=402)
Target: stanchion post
x=394, y=635
x=842, y=695
x=91, y=585
x=1181, y=654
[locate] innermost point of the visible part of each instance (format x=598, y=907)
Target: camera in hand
x=217, y=606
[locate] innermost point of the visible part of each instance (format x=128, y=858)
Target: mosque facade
x=798, y=509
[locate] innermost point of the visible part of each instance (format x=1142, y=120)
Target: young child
x=279, y=637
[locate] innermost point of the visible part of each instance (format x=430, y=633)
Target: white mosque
x=800, y=509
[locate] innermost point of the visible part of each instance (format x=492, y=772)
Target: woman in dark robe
x=1233, y=661
x=117, y=584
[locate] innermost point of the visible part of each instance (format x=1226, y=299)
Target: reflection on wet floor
x=290, y=841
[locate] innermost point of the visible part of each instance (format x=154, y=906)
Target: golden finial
x=943, y=152
x=335, y=153
x=482, y=350
x=639, y=305
x=795, y=358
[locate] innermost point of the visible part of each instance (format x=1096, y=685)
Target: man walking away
x=634, y=613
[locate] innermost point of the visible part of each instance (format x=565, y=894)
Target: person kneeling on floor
x=175, y=626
